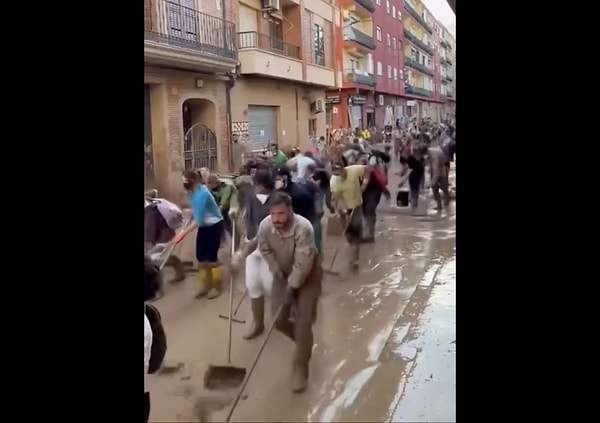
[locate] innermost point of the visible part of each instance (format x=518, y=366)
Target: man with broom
x=285, y=241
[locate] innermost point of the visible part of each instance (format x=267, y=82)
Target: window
x=394, y=45
x=379, y=69
x=389, y=40
x=395, y=74
x=387, y=6
x=182, y=22
x=393, y=10
x=312, y=127
x=354, y=64
x=389, y=72
x=319, y=44
x=370, y=63
x=399, y=15
x=429, y=63
x=378, y=34
x=378, y=2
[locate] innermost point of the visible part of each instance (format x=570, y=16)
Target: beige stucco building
x=252, y=69
x=286, y=63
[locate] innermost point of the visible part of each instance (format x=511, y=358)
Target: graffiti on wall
x=239, y=130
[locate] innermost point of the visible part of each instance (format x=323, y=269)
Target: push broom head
x=224, y=377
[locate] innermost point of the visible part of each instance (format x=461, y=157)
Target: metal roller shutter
x=262, y=126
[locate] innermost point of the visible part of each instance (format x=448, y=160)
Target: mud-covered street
x=384, y=337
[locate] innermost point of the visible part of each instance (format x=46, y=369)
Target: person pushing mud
x=285, y=241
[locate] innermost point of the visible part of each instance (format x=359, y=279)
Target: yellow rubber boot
x=217, y=282
x=203, y=274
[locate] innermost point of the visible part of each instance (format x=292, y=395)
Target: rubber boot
x=217, y=283
x=299, y=377
x=204, y=282
x=258, y=318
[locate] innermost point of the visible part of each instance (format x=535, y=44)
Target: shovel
x=224, y=377
x=247, y=377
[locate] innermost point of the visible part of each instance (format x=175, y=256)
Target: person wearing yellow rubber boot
x=209, y=221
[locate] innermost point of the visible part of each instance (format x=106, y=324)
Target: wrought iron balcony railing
x=367, y=4
x=355, y=76
x=253, y=39
x=417, y=66
x=179, y=26
x=416, y=41
x=353, y=34
x=417, y=17
x=411, y=89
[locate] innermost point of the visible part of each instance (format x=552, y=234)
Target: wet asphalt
x=385, y=337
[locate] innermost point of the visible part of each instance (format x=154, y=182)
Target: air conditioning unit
x=270, y=4
x=380, y=100
x=316, y=106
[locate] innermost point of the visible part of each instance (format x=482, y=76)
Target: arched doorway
x=200, y=141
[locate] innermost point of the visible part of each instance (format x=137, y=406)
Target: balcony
x=411, y=89
x=367, y=4
x=450, y=77
x=411, y=63
x=185, y=38
x=445, y=43
x=450, y=95
x=415, y=40
x=265, y=55
x=361, y=8
x=443, y=98
x=358, y=39
x=358, y=77
x=417, y=17
x=445, y=78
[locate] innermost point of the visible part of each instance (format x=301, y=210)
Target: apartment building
x=353, y=103
x=447, y=51
x=287, y=60
x=420, y=70
x=216, y=69
x=389, y=60
x=190, y=58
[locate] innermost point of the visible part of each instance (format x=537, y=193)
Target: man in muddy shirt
x=285, y=241
x=438, y=180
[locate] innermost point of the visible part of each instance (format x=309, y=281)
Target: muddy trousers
x=300, y=330
x=370, y=202
x=352, y=223
x=442, y=184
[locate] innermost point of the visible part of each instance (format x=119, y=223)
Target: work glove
x=236, y=261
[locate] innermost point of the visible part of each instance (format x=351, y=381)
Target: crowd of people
x=277, y=202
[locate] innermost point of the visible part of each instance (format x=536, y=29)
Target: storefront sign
x=358, y=99
x=333, y=99
x=239, y=130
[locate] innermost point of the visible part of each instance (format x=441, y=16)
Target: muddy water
x=376, y=340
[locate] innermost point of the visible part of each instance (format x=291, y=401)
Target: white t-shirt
x=147, y=347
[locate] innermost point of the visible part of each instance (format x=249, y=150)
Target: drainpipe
x=228, y=86
x=297, y=120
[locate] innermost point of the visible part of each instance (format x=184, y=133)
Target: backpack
x=170, y=212
x=159, y=339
